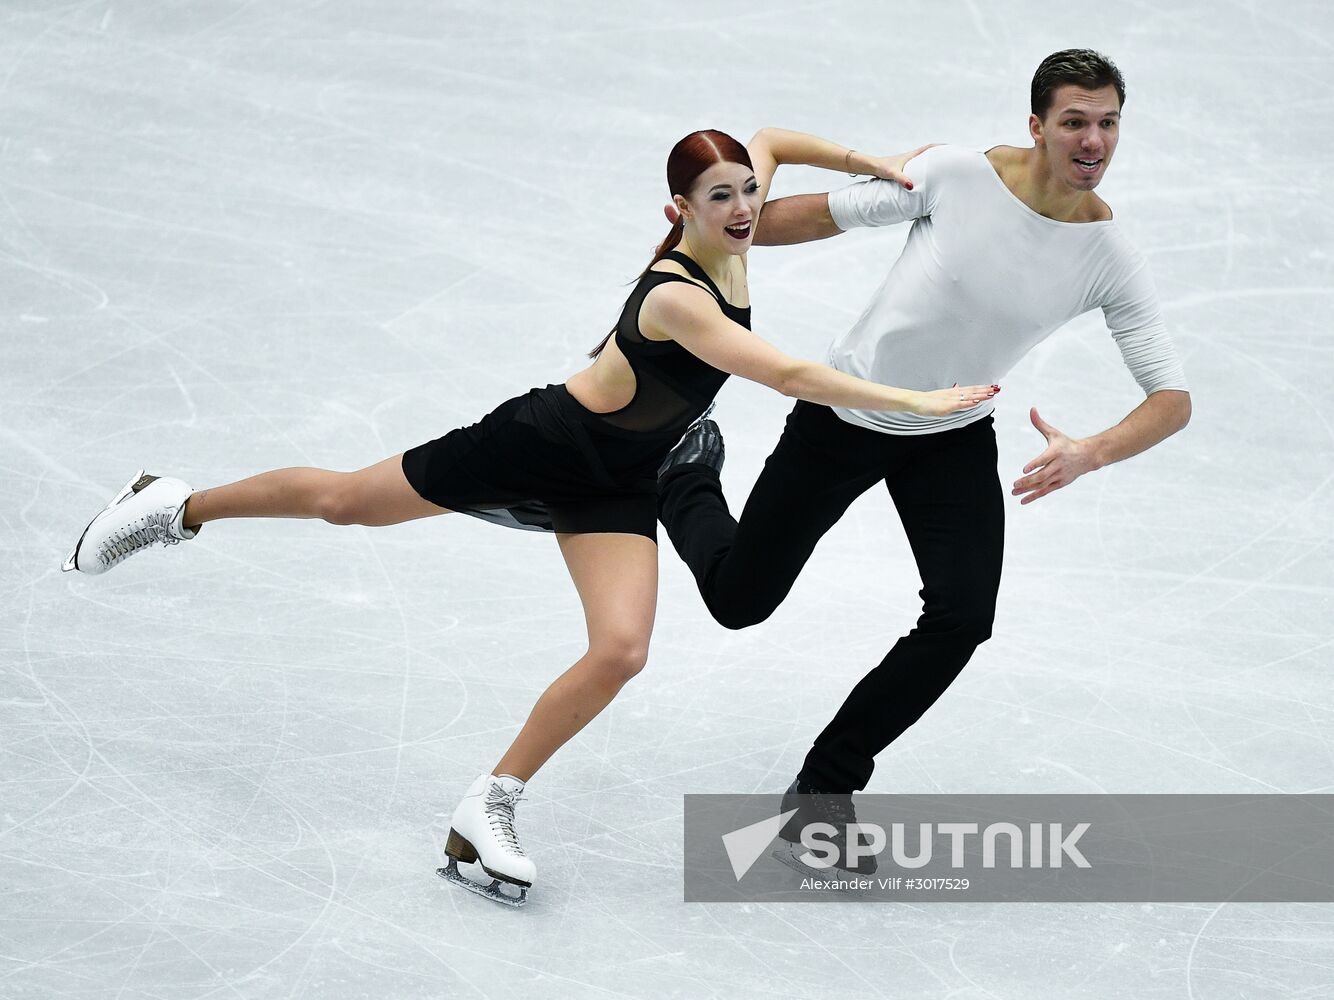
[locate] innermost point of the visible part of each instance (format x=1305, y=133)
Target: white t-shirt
x=981, y=280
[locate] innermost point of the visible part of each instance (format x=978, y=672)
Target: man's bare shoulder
x=1005, y=158
x=1009, y=162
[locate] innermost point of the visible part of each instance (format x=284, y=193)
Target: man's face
x=1079, y=133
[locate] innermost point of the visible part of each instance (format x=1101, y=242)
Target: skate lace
x=154, y=526
x=836, y=808
x=500, y=812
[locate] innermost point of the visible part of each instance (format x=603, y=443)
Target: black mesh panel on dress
x=672, y=386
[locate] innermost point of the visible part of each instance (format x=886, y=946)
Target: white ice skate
x=482, y=830
x=149, y=509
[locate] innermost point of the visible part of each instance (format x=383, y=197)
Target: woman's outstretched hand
x=890, y=168
x=939, y=402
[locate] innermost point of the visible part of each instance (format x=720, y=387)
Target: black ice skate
x=702, y=444
x=814, y=806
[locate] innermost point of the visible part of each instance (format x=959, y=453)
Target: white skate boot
x=147, y=510
x=482, y=830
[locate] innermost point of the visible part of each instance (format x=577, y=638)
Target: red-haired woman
x=578, y=459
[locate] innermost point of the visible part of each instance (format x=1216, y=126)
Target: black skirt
x=541, y=462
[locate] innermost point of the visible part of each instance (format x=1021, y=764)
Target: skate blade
x=71, y=563
x=790, y=855
x=451, y=873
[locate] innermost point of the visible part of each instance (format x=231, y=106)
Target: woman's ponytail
x=669, y=243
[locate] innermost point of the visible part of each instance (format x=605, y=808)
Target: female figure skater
x=578, y=459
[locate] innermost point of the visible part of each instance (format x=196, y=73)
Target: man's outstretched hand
x=1063, y=461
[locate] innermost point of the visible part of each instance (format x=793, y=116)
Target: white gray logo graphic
x=745, y=846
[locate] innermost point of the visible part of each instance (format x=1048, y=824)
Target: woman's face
x=723, y=207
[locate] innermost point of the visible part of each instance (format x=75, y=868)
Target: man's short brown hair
x=1081, y=67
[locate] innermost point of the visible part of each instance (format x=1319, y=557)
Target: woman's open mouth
x=740, y=231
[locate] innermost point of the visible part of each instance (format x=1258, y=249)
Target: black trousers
x=947, y=491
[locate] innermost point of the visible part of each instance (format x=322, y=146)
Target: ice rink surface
x=240, y=236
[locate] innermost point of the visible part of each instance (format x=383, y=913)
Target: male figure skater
x=1005, y=247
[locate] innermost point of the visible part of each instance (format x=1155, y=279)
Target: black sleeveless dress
x=542, y=462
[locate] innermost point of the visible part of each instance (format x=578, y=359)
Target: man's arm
x=807, y=217
x=1135, y=320
x=1155, y=420
x=802, y=218
x=1065, y=459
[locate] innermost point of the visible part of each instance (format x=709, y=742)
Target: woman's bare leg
x=377, y=495
x=617, y=579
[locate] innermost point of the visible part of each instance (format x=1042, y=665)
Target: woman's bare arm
x=689, y=315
